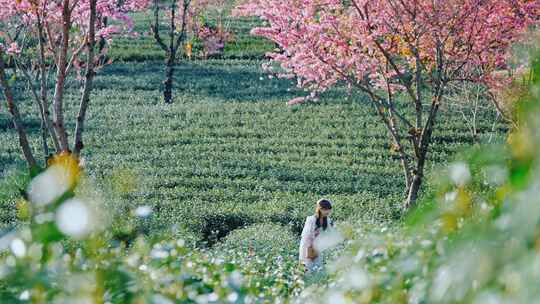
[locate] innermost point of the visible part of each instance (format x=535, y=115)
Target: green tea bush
x=267, y=255
x=216, y=225
x=11, y=192
x=262, y=239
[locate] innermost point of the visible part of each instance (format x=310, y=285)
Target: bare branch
x=43, y=85
x=60, y=79
x=15, y=115
x=89, y=76
x=182, y=35
x=155, y=27
x=75, y=55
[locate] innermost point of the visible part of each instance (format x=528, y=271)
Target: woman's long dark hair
x=322, y=204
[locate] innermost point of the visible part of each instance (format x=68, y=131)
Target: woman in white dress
x=314, y=225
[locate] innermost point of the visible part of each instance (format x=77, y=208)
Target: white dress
x=308, y=237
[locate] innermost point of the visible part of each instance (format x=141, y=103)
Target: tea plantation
x=228, y=165
x=229, y=152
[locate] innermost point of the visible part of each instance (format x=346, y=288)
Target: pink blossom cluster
x=13, y=49
x=379, y=45
x=189, y=16
x=191, y=19
x=213, y=39
x=17, y=14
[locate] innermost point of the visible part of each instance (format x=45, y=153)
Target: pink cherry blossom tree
x=54, y=39
x=402, y=54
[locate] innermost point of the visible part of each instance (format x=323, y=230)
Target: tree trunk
x=89, y=77
x=30, y=81
x=169, y=71
x=44, y=130
x=425, y=140
x=414, y=187
x=406, y=172
x=12, y=107
x=44, y=140
x=60, y=79
x=396, y=138
x=43, y=87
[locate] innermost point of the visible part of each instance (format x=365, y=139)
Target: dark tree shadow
x=236, y=81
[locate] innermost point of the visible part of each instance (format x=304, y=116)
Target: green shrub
x=262, y=239
x=267, y=255
x=12, y=186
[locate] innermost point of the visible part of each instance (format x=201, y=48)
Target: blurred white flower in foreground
x=328, y=239
x=235, y=279
x=62, y=174
x=158, y=253
x=336, y=297
x=495, y=175
x=356, y=278
x=232, y=297
x=450, y=196
x=24, y=296
x=18, y=248
x=74, y=219
x=143, y=211
x=159, y=299
x=6, y=239
x=459, y=173
x=48, y=186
